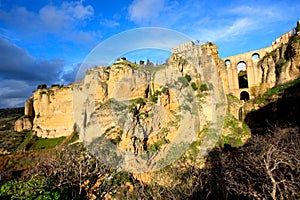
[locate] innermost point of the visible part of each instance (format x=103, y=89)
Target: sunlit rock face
x=133, y=116
x=53, y=109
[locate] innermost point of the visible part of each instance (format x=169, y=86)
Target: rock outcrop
x=142, y=110
x=25, y=122
x=53, y=108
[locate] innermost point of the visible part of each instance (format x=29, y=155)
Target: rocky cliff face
x=53, y=109
x=144, y=110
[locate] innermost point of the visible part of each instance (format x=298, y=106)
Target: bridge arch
x=244, y=95
x=242, y=74
x=227, y=63
x=255, y=56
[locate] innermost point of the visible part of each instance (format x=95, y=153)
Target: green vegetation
x=57, y=85
x=37, y=187
x=294, y=39
x=108, y=103
x=165, y=90
x=186, y=107
x=7, y=123
x=280, y=88
x=43, y=92
x=156, y=146
x=139, y=100
x=155, y=95
x=265, y=98
x=72, y=138
x=203, y=87
x=38, y=143
x=233, y=98
x=42, y=86
x=231, y=170
x=188, y=77
x=183, y=81
x=194, y=149
x=278, y=67
x=117, y=134
x=134, y=102
x=10, y=140
x=13, y=141
x=235, y=132
x=194, y=86
x=116, y=140
x=126, y=63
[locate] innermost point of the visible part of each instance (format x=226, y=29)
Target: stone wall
x=183, y=47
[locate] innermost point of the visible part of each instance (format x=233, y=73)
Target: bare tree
x=268, y=167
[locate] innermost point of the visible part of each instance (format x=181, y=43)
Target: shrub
x=203, y=87
x=42, y=86
x=194, y=86
x=165, y=90
x=183, y=81
x=154, y=97
x=37, y=187
x=188, y=77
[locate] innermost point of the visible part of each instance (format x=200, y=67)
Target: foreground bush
x=266, y=167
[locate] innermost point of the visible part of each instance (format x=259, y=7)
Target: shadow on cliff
x=283, y=112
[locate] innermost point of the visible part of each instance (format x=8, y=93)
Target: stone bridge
x=242, y=75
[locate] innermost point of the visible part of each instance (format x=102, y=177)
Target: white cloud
x=145, y=11
x=226, y=31
x=67, y=16
x=53, y=18
x=77, y=10
x=8, y=35
x=109, y=23
x=90, y=38
x=210, y=20
x=239, y=27
x=269, y=12
x=239, y=21
x=64, y=19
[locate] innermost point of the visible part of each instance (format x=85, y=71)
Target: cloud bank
x=67, y=19
x=20, y=73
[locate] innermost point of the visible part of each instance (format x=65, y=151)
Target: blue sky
x=46, y=41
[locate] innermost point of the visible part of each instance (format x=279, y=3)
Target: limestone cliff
x=142, y=110
x=53, y=109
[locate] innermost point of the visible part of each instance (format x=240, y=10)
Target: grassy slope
x=20, y=151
